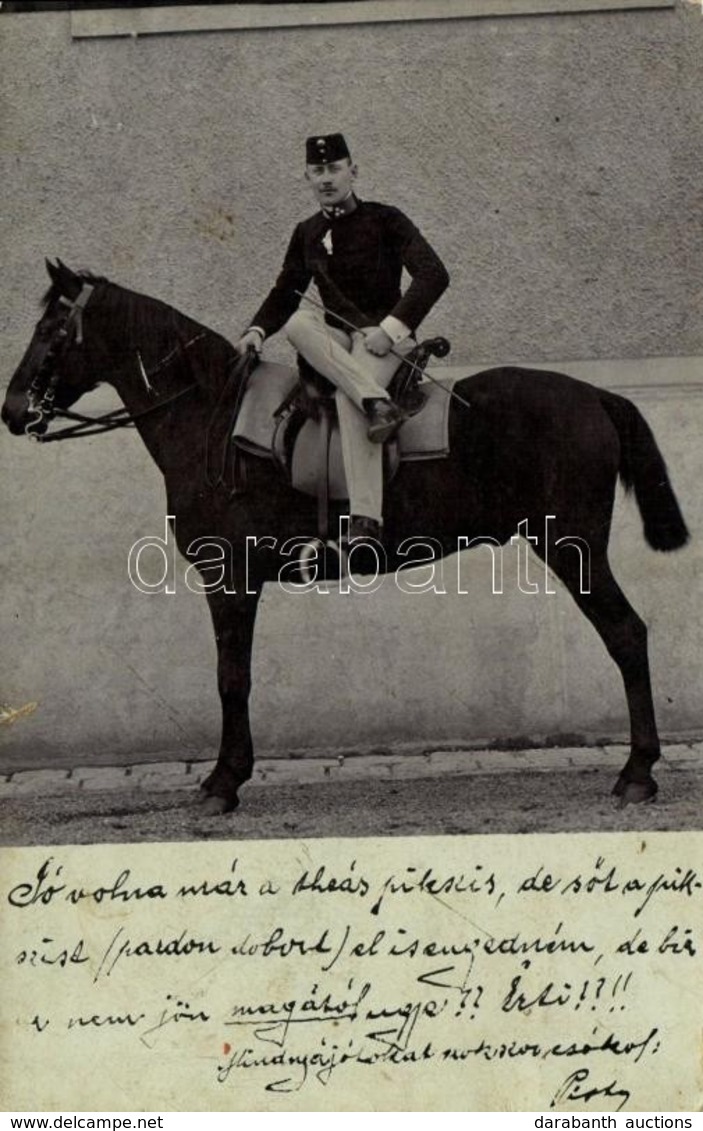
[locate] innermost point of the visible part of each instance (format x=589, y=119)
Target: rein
x=224, y=465
x=95, y=425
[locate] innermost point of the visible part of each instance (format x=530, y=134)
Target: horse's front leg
x=233, y=619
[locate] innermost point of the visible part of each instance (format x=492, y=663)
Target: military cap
x=324, y=148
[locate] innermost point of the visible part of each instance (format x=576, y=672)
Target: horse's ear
x=52, y=270
x=66, y=280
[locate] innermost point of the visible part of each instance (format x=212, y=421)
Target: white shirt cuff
x=257, y=329
x=395, y=329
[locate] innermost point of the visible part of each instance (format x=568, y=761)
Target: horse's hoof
x=213, y=806
x=634, y=792
x=618, y=788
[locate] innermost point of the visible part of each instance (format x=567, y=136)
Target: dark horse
x=524, y=444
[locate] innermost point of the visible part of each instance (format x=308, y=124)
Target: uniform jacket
x=360, y=277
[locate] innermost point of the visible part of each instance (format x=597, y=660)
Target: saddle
x=290, y=418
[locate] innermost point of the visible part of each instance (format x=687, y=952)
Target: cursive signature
x=578, y=1088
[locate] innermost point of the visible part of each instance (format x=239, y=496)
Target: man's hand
x=377, y=341
x=251, y=340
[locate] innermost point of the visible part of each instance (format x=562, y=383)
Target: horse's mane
x=150, y=323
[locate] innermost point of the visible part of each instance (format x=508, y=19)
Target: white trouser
x=358, y=375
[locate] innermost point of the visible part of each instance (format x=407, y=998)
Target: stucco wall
x=554, y=162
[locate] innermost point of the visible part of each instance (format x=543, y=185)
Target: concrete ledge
x=51, y=782
x=665, y=375
x=161, y=777
x=243, y=17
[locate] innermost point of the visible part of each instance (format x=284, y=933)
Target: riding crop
x=406, y=360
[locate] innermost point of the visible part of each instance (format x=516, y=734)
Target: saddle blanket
x=424, y=436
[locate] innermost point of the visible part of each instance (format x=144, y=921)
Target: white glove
x=252, y=339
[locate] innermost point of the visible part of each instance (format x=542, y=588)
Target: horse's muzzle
x=15, y=414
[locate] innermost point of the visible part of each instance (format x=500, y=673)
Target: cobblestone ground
x=438, y=792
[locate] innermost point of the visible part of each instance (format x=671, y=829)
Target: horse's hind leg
x=624, y=634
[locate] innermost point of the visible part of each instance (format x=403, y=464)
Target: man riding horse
x=355, y=252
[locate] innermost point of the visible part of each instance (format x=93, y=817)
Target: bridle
x=41, y=400
x=42, y=391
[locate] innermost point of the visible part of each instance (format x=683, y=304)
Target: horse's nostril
x=13, y=419
x=15, y=427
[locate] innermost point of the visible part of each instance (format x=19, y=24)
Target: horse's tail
x=642, y=467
